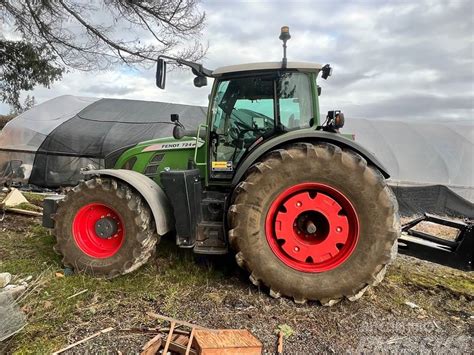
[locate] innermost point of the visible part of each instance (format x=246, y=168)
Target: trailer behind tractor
x=305, y=209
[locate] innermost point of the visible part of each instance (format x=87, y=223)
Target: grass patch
x=28, y=207
x=454, y=281
x=438, y=290
x=161, y=284
x=29, y=253
x=34, y=197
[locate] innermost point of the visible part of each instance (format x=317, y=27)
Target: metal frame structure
x=456, y=253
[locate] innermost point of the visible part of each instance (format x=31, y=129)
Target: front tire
x=104, y=228
x=314, y=222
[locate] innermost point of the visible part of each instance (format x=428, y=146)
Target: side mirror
x=200, y=81
x=336, y=119
x=326, y=71
x=161, y=73
x=174, y=117
x=339, y=120
x=177, y=132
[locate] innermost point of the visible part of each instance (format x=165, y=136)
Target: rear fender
x=150, y=191
x=309, y=136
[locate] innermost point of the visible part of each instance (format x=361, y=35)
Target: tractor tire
x=104, y=228
x=314, y=222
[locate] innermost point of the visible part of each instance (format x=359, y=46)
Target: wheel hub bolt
x=296, y=249
x=298, y=204
x=310, y=227
x=339, y=229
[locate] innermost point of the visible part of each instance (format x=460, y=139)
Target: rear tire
x=262, y=217
x=83, y=249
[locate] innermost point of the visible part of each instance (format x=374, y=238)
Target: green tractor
x=305, y=209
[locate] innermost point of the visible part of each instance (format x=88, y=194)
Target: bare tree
x=91, y=35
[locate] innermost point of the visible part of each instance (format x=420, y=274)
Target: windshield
x=249, y=109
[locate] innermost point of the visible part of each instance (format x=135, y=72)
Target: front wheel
x=314, y=222
x=104, y=228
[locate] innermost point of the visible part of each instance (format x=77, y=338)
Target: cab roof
x=302, y=66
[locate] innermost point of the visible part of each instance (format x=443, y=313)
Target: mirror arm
x=198, y=69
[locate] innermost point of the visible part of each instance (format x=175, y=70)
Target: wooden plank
x=106, y=330
x=168, y=339
x=152, y=346
x=190, y=341
x=226, y=341
x=175, y=331
x=178, y=344
x=25, y=212
x=280, y=343
x=177, y=321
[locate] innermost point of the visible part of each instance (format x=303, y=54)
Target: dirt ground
x=214, y=293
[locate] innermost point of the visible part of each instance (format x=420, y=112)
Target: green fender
x=310, y=136
x=154, y=196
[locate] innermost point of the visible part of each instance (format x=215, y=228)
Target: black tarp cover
x=100, y=129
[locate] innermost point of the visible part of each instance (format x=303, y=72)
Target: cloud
x=392, y=60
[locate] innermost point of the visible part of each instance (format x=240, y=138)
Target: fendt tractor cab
x=305, y=209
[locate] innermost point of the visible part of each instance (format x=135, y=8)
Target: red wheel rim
x=85, y=233
x=312, y=227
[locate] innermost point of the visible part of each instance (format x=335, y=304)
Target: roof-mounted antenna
x=284, y=36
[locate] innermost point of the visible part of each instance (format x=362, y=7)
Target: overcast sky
x=391, y=60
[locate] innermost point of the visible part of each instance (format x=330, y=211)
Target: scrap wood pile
x=12, y=200
x=181, y=337
x=200, y=340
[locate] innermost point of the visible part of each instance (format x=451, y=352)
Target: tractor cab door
x=247, y=110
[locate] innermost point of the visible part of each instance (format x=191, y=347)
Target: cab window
x=247, y=110
x=294, y=94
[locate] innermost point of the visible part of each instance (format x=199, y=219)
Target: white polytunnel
x=421, y=152
x=431, y=162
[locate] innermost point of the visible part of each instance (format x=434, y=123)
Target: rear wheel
x=104, y=228
x=314, y=222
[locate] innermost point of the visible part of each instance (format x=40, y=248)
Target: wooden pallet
x=200, y=340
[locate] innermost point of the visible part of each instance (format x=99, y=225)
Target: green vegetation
x=24, y=66
x=286, y=330
x=4, y=119
x=48, y=307
x=34, y=198
x=451, y=282
x=28, y=207
x=435, y=289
